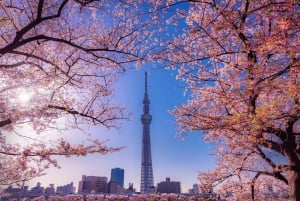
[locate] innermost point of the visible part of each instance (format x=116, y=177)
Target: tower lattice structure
x=146, y=170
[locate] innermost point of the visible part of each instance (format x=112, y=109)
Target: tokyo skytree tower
x=146, y=170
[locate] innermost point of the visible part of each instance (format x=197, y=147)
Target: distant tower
x=146, y=170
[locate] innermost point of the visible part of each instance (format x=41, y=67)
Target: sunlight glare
x=24, y=97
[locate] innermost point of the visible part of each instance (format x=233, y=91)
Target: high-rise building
x=50, y=190
x=66, y=189
x=169, y=186
x=10, y=193
x=115, y=188
x=92, y=184
x=117, y=174
x=36, y=191
x=195, y=189
x=146, y=169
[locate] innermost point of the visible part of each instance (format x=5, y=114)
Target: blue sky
x=171, y=157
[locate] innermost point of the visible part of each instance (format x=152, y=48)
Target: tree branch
x=31, y=25
x=40, y=9
x=253, y=183
x=5, y=122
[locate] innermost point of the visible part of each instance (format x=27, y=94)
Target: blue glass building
x=117, y=174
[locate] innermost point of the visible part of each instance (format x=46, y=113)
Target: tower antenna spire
x=146, y=82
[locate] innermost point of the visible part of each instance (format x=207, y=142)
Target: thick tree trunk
x=294, y=184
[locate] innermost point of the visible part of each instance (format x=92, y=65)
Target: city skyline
x=172, y=157
x=91, y=185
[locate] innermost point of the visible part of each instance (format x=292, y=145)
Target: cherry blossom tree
x=241, y=62
x=59, y=60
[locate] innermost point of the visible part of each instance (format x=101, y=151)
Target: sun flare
x=24, y=97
